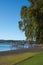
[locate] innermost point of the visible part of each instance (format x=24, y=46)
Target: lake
x=6, y=46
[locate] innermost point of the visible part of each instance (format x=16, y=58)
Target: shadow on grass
x=23, y=60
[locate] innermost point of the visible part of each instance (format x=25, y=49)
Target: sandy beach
x=4, y=53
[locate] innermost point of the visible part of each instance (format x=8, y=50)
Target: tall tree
x=32, y=20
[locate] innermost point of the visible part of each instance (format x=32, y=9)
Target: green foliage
x=32, y=20
x=24, y=12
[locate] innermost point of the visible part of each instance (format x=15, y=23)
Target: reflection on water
x=6, y=47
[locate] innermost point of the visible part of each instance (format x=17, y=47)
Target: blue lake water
x=6, y=47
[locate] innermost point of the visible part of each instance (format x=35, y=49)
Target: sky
x=9, y=18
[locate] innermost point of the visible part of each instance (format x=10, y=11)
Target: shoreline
x=19, y=51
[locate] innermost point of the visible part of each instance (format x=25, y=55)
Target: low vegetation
x=12, y=59
x=35, y=60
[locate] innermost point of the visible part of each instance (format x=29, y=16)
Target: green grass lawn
x=35, y=60
x=12, y=59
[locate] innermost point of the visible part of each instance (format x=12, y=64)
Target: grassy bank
x=36, y=60
x=12, y=59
